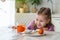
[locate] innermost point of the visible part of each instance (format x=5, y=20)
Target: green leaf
x=36, y=2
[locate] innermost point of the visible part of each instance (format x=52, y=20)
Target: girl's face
x=41, y=20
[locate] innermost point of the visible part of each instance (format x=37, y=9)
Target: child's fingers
x=46, y=29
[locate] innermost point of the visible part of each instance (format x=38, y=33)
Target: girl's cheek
x=43, y=24
x=36, y=22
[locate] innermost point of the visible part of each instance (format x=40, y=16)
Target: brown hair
x=47, y=12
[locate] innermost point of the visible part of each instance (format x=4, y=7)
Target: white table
x=9, y=34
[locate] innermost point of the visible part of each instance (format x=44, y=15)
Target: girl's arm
x=51, y=28
x=46, y=29
x=31, y=25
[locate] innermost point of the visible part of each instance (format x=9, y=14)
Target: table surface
x=10, y=34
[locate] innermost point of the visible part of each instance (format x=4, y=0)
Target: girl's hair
x=47, y=12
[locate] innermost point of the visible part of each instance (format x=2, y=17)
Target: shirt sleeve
x=51, y=28
x=31, y=25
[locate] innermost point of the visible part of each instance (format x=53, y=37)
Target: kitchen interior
x=28, y=10
x=22, y=12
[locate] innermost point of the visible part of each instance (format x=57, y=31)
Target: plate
x=33, y=33
x=37, y=35
x=30, y=32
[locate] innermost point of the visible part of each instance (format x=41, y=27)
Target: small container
x=21, y=10
x=41, y=31
x=21, y=28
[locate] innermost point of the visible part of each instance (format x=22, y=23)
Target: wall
x=57, y=6
x=24, y=18
x=7, y=13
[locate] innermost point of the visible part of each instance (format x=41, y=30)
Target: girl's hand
x=34, y=26
x=46, y=29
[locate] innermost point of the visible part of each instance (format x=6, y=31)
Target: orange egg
x=21, y=28
x=41, y=31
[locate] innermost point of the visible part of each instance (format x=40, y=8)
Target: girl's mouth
x=38, y=26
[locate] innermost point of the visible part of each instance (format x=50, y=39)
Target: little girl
x=43, y=19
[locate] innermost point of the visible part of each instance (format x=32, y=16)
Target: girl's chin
x=39, y=26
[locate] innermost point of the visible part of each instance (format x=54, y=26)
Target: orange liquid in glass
x=41, y=31
x=21, y=28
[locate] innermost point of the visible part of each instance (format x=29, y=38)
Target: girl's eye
x=41, y=21
x=36, y=19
